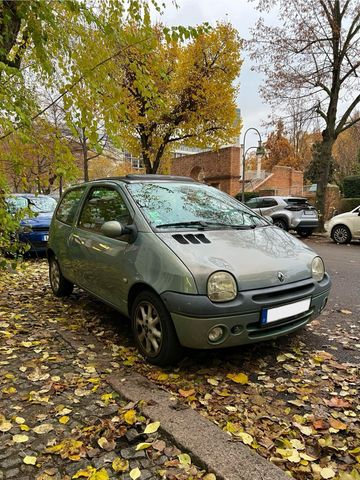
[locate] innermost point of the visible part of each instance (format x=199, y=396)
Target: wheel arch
x=134, y=292
x=281, y=216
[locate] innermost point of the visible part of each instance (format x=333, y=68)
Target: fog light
x=216, y=334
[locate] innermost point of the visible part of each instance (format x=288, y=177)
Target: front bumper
x=195, y=315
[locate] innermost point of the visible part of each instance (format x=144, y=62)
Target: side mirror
x=269, y=219
x=113, y=229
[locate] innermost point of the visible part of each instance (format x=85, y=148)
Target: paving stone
x=128, y=453
x=11, y=462
x=13, y=473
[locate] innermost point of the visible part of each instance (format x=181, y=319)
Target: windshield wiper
x=202, y=225
x=198, y=223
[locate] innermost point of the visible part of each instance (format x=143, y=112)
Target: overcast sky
x=243, y=16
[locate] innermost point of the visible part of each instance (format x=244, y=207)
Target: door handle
x=76, y=239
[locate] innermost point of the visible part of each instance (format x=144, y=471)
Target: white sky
x=243, y=16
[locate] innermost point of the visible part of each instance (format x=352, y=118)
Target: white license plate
x=309, y=212
x=269, y=315
x=45, y=238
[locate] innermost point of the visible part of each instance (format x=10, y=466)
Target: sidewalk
x=69, y=409
x=60, y=419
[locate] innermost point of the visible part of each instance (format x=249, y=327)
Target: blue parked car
x=34, y=227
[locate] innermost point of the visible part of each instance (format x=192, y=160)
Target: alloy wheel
x=148, y=328
x=341, y=235
x=54, y=275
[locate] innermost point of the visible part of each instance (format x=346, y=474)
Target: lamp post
x=259, y=153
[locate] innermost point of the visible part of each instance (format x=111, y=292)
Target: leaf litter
x=296, y=406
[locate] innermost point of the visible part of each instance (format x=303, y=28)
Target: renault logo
x=281, y=277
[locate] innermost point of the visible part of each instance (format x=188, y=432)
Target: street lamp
x=259, y=153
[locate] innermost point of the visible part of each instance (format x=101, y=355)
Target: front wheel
x=341, y=234
x=279, y=222
x=154, y=331
x=60, y=286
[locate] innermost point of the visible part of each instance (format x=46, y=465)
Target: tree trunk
x=325, y=158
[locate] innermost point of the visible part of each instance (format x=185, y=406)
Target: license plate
x=269, y=315
x=45, y=238
x=309, y=212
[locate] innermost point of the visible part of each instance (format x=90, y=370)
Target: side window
x=268, y=202
x=69, y=204
x=252, y=203
x=103, y=205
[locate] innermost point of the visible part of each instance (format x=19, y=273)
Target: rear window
x=296, y=201
x=69, y=205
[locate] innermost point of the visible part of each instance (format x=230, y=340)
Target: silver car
x=288, y=213
x=190, y=265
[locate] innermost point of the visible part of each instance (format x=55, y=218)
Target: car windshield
x=190, y=205
x=35, y=204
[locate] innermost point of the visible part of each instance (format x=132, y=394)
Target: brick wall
x=220, y=169
x=284, y=181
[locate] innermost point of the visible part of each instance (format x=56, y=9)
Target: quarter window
x=103, y=205
x=69, y=205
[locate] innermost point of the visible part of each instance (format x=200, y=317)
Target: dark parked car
x=190, y=265
x=34, y=227
x=287, y=213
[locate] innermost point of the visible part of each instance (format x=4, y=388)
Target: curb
x=209, y=446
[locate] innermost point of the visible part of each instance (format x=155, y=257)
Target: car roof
x=137, y=178
x=28, y=195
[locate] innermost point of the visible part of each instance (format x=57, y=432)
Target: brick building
x=222, y=169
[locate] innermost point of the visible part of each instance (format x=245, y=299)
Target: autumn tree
x=313, y=55
x=347, y=154
x=164, y=92
x=279, y=150
x=38, y=161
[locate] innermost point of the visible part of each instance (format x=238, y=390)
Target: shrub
x=247, y=196
x=348, y=204
x=351, y=186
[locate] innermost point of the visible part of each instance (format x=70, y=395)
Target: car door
x=267, y=206
x=355, y=222
x=102, y=263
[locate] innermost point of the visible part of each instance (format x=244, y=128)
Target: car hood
x=254, y=257
x=41, y=220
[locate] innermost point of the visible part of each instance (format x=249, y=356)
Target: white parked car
x=344, y=227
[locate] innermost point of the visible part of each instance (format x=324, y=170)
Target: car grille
x=40, y=229
x=283, y=293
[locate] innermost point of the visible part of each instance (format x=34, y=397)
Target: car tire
x=341, y=234
x=279, y=222
x=304, y=232
x=60, y=286
x=154, y=331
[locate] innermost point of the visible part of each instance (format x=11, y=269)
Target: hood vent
x=191, y=238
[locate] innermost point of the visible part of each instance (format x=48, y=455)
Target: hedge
x=348, y=204
x=351, y=186
x=247, y=196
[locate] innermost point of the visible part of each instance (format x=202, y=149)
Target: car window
x=69, y=205
x=103, y=205
x=165, y=204
x=267, y=202
x=35, y=204
x=252, y=203
x=296, y=201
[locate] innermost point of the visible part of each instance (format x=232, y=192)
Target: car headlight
x=25, y=228
x=221, y=287
x=317, y=269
